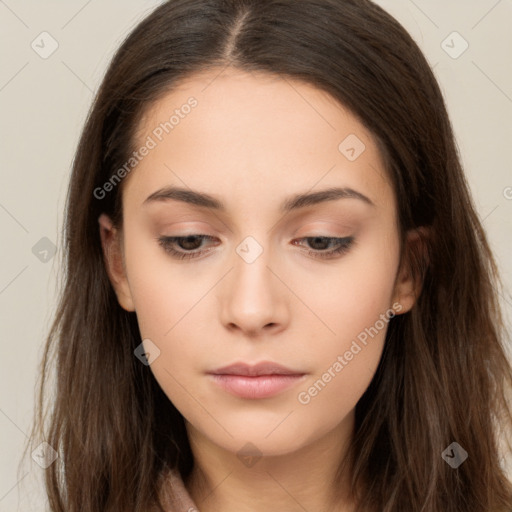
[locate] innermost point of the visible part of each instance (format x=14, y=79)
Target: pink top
x=174, y=495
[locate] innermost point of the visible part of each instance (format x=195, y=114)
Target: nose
x=254, y=298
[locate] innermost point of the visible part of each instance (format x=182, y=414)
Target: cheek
x=173, y=311
x=161, y=293
x=355, y=293
x=356, y=308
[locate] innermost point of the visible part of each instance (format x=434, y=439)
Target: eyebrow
x=294, y=202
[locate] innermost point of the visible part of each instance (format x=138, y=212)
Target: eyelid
x=330, y=225
x=342, y=246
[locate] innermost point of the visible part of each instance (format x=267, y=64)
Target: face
x=252, y=261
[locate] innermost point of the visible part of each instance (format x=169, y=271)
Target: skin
x=252, y=141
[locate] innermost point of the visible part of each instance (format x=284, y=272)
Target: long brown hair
x=443, y=376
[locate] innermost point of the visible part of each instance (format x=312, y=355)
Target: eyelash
x=344, y=244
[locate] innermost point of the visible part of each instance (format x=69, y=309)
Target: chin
x=254, y=435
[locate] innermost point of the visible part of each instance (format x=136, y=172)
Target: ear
x=409, y=279
x=114, y=261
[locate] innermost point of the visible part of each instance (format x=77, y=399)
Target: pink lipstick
x=261, y=380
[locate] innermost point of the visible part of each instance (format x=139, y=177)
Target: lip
x=255, y=370
x=261, y=380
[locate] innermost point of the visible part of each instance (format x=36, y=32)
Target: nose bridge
x=253, y=297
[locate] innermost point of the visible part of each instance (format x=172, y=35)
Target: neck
x=298, y=481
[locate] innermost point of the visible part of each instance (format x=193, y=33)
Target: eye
x=341, y=246
x=188, y=245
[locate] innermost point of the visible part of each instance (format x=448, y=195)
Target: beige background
x=44, y=102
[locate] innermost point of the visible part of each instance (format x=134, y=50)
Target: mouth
x=263, y=380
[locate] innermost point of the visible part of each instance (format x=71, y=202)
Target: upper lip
x=263, y=368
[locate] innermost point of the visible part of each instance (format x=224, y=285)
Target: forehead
x=256, y=136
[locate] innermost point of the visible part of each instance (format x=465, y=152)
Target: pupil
x=189, y=240
x=320, y=240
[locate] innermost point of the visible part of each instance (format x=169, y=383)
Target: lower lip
x=262, y=386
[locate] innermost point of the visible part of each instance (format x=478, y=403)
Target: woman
x=278, y=293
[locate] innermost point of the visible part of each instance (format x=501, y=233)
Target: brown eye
x=320, y=244
x=187, y=245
